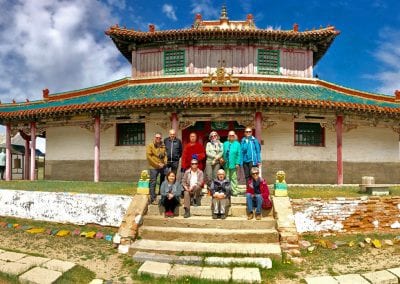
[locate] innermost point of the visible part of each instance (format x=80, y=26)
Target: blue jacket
x=251, y=150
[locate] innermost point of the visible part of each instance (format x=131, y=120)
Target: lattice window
x=130, y=134
x=174, y=62
x=268, y=62
x=309, y=134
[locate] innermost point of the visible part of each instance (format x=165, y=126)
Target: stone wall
x=63, y=207
x=365, y=214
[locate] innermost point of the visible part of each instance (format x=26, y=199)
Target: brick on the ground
x=381, y=277
x=34, y=260
x=395, y=271
x=246, y=275
x=58, y=265
x=39, y=275
x=321, y=280
x=11, y=256
x=97, y=281
x=216, y=273
x=141, y=256
x=189, y=259
x=156, y=269
x=14, y=268
x=351, y=279
x=180, y=270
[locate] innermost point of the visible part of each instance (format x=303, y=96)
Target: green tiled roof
x=193, y=89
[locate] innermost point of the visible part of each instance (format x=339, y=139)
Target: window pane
x=268, y=62
x=174, y=62
x=130, y=134
x=308, y=134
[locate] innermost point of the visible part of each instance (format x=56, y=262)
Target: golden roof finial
x=224, y=12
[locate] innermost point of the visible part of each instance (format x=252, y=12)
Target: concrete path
x=33, y=269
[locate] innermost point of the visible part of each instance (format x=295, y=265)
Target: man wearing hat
x=192, y=183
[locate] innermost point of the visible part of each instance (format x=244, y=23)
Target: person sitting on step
x=192, y=183
x=221, y=193
x=170, y=191
x=257, y=193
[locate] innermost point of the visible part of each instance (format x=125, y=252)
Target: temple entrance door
x=203, y=129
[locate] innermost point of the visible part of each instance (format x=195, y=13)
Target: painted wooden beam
x=8, y=152
x=33, y=151
x=97, y=149
x=258, y=125
x=339, y=140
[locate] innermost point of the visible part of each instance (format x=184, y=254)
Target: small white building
x=316, y=131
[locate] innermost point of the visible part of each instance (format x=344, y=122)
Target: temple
x=217, y=75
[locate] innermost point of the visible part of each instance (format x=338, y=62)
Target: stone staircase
x=200, y=234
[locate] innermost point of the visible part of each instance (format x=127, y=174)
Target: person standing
x=2, y=163
x=257, y=193
x=173, y=147
x=157, y=159
x=233, y=160
x=170, y=192
x=220, y=192
x=192, y=183
x=214, y=151
x=251, y=152
x=193, y=150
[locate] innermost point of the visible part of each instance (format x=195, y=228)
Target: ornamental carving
x=164, y=124
x=89, y=125
x=183, y=124
x=268, y=123
x=396, y=129
x=330, y=125
x=247, y=122
x=220, y=81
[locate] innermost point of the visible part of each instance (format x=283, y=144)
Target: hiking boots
x=187, y=213
x=215, y=216
x=223, y=216
x=258, y=216
x=250, y=216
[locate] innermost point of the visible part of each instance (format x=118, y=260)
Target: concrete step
x=207, y=222
x=206, y=200
x=203, y=210
x=209, y=235
x=272, y=250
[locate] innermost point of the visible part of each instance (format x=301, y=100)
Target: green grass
x=8, y=279
x=332, y=191
x=77, y=275
x=123, y=188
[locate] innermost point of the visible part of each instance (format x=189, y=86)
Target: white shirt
x=193, y=179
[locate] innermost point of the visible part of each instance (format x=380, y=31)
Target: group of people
x=220, y=163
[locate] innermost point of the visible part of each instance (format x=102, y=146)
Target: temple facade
x=217, y=75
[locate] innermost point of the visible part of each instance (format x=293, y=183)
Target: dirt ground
x=100, y=257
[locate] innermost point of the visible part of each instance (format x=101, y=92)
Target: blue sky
x=61, y=45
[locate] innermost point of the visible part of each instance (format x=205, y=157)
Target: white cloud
x=58, y=45
x=206, y=9
x=169, y=11
x=388, y=55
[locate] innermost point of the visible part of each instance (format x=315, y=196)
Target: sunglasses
x=248, y=131
x=194, y=163
x=254, y=174
x=158, y=137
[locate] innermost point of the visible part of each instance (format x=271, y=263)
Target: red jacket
x=193, y=149
x=264, y=192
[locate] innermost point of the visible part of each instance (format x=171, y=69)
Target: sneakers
x=250, y=216
x=258, y=216
x=215, y=216
x=187, y=213
x=154, y=202
x=223, y=216
x=169, y=214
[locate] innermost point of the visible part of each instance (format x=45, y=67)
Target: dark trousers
x=153, y=181
x=169, y=204
x=246, y=169
x=173, y=166
x=2, y=170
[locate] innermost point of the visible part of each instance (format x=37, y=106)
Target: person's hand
x=160, y=165
x=170, y=196
x=237, y=167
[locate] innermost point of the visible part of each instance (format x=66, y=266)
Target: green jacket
x=232, y=154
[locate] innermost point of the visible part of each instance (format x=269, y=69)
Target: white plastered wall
x=76, y=143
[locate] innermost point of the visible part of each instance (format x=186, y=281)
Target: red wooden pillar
x=339, y=139
x=26, y=160
x=258, y=125
x=174, y=122
x=8, y=152
x=33, y=151
x=97, y=149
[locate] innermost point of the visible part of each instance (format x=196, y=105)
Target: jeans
x=153, y=181
x=250, y=202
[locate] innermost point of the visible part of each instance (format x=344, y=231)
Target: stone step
x=209, y=235
x=272, y=250
x=206, y=200
x=203, y=210
x=207, y=222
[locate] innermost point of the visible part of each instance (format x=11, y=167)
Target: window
x=130, y=134
x=309, y=134
x=268, y=62
x=174, y=62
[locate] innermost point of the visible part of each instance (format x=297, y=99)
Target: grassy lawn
x=124, y=188
x=332, y=192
